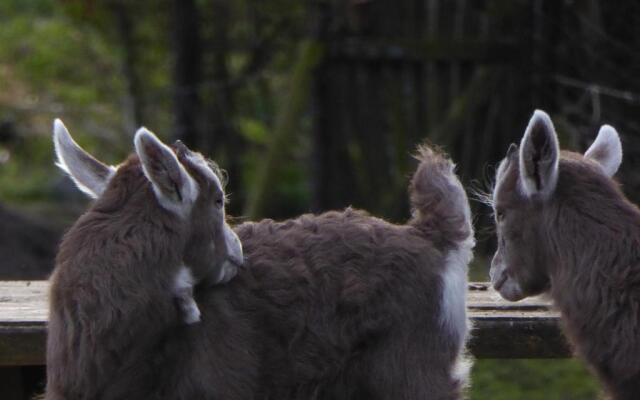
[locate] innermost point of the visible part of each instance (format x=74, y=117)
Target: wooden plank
x=526, y=329
x=23, y=302
x=23, y=317
x=22, y=344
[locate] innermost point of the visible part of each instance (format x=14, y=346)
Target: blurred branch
x=309, y=55
x=626, y=95
x=261, y=54
x=462, y=105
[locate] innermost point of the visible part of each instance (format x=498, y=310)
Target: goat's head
x=184, y=184
x=531, y=183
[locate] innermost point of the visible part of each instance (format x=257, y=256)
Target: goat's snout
x=508, y=287
x=234, y=258
x=234, y=247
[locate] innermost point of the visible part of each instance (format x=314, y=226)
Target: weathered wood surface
x=526, y=329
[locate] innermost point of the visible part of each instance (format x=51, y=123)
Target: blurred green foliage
x=65, y=66
x=52, y=67
x=532, y=380
x=65, y=59
x=24, y=179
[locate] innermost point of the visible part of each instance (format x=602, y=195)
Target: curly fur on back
x=341, y=305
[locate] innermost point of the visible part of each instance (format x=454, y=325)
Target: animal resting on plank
x=157, y=227
x=565, y=227
x=340, y=305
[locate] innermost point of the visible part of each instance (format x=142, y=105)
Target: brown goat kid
x=565, y=227
x=156, y=228
x=335, y=306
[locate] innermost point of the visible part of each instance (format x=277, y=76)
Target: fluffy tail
x=440, y=207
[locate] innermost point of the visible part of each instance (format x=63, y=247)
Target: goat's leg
x=628, y=389
x=413, y=368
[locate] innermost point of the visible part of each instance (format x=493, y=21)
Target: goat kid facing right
x=565, y=227
x=157, y=227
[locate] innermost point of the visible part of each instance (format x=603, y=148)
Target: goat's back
x=340, y=305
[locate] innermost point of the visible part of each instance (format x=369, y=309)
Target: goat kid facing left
x=341, y=305
x=157, y=227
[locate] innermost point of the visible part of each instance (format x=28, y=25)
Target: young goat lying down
x=340, y=305
x=565, y=227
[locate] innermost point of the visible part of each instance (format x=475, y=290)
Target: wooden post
x=11, y=387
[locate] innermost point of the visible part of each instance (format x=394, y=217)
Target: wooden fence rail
x=527, y=329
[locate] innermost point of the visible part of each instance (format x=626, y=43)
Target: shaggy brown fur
x=108, y=311
x=112, y=297
x=581, y=243
x=334, y=306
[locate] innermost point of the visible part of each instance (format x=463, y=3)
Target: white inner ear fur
x=189, y=188
x=606, y=150
x=548, y=174
x=90, y=175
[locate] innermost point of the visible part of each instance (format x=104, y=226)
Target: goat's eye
x=499, y=215
x=219, y=203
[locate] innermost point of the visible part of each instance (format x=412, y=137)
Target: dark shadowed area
x=311, y=106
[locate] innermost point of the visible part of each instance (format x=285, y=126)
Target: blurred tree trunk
x=322, y=143
x=284, y=133
x=224, y=140
x=335, y=150
x=187, y=72
x=134, y=101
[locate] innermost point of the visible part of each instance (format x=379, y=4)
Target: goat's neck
x=593, y=251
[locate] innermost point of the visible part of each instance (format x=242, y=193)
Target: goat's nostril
x=501, y=281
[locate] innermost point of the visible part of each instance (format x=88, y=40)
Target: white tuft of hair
x=606, y=150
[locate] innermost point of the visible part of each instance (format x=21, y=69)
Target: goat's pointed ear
x=174, y=188
x=606, y=150
x=90, y=175
x=539, y=155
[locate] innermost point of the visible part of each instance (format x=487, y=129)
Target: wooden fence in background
x=458, y=73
